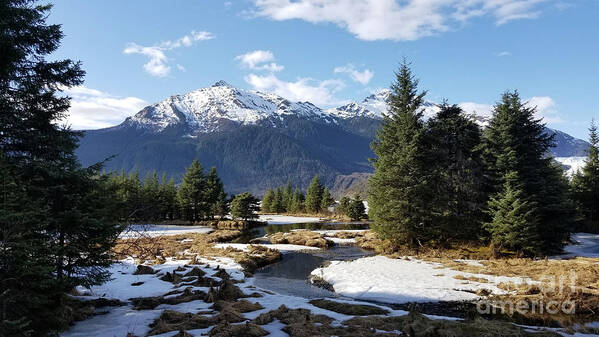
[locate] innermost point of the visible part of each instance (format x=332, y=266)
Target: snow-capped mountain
x=374, y=106
x=213, y=108
x=256, y=140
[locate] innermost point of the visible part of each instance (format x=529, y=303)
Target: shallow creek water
x=290, y=276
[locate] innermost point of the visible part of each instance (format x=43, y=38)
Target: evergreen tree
x=297, y=202
x=454, y=143
x=314, y=196
x=133, y=196
x=343, y=205
x=356, y=209
x=191, y=194
x=214, y=192
x=515, y=143
x=267, y=201
x=149, y=195
x=244, y=206
x=585, y=185
x=513, y=219
x=277, y=201
x=168, y=198
x=327, y=200
x=57, y=222
x=287, y=196
x=221, y=206
x=399, y=192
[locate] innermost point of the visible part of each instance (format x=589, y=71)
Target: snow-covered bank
x=387, y=280
x=135, y=231
x=283, y=248
x=275, y=219
x=587, y=245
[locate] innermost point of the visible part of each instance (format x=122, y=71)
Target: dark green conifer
x=399, y=192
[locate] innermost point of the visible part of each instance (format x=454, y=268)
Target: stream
x=290, y=275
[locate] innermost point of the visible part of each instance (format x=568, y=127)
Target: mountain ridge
x=256, y=140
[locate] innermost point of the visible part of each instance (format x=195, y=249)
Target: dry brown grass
x=349, y=235
x=238, y=330
x=171, y=320
x=558, y=280
x=471, y=278
x=188, y=246
x=303, y=238
x=348, y=308
x=418, y=325
x=187, y=295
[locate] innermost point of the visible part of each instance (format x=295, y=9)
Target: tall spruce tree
x=454, y=143
x=267, y=201
x=297, y=202
x=168, y=199
x=214, y=192
x=585, y=185
x=513, y=223
x=327, y=200
x=515, y=143
x=277, y=201
x=71, y=228
x=150, y=196
x=314, y=196
x=399, y=192
x=192, y=193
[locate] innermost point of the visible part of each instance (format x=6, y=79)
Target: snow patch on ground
x=386, y=280
x=119, y=321
x=135, y=231
x=280, y=247
x=275, y=219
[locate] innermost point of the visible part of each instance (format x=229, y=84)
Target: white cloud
x=397, y=20
x=157, y=64
x=545, y=108
x=477, y=108
x=94, y=109
x=504, y=53
x=362, y=77
x=304, y=89
x=257, y=60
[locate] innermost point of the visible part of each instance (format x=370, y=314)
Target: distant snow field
x=573, y=163
x=135, y=231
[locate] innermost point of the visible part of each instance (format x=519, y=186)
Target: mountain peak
x=221, y=83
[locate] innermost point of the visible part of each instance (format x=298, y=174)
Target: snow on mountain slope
x=376, y=105
x=221, y=107
x=571, y=164
x=205, y=109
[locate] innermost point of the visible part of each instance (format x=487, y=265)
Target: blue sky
x=329, y=52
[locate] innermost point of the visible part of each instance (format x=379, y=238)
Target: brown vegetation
x=188, y=246
x=348, y=308
x=303, y=238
